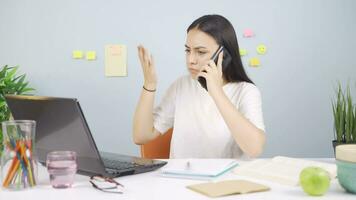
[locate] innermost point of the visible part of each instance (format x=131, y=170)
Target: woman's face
x=199, y=48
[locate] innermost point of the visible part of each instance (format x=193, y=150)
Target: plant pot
x=335, y=143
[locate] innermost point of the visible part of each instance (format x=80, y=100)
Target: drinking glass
x=61, y=166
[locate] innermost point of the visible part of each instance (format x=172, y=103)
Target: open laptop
x=61, y=125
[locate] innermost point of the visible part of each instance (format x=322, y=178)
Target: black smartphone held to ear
x=226, y=61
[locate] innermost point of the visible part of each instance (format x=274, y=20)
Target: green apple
x=315, y=181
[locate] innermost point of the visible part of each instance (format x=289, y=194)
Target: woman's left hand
x=213, y=75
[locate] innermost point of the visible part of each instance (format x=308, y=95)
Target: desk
x=152, y=186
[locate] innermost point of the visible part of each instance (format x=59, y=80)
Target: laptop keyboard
x=115, y=164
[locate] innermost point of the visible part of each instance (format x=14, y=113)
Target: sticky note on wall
x=77, y=54
x=115, y=60
x=248, y=33
x=243, y=52
x=261, y=49
x=90, y=55
x=254, y=62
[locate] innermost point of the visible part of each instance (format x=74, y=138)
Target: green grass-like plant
x=339, y=115
x=349, y=120
x=354, y=128
x=344, y=116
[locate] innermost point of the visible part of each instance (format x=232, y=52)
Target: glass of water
x=61, y=166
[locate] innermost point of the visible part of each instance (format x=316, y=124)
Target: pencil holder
x=18, y=158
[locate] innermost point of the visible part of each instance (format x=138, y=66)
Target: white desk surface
x=152, y=186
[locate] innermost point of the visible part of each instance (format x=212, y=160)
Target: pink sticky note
x=248, y=33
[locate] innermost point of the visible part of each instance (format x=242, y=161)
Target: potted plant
x=10, y=83
x=344, y=112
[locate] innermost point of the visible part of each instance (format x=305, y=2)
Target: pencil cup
x=18, y=158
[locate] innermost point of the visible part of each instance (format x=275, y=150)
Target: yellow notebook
x=229, y=187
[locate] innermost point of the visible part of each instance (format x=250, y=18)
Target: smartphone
x=215, y=56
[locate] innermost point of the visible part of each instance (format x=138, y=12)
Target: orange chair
x=159, y=147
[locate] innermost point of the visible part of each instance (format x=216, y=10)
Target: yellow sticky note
x=115, y=60
x=77, y=54
x=91, y=55
x=243, y=52
x=254, y=62
x=261, y=49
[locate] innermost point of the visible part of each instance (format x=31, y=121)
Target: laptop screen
x=60, y=125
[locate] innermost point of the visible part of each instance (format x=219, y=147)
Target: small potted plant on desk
x=344, y=118
x=10, y=83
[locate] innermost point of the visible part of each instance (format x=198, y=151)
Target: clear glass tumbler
x=18, y=158
x=61, y=166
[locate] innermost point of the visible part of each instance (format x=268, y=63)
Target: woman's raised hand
x=148, y=68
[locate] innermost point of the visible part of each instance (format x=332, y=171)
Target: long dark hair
x=224, y=34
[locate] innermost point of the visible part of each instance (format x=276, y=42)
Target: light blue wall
x=311, y=45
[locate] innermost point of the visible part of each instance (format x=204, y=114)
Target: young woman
x=224, y=121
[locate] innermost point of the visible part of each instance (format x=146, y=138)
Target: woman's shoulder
x=183, y=81
x=244, y=88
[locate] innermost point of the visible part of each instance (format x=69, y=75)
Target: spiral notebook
x=198, y=169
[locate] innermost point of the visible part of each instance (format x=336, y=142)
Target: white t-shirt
x=199, y=129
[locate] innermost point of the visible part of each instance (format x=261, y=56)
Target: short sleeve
x=251, y=106
x=163, y=114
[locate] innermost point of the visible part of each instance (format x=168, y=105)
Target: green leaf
x=26, y=90
x=20, y=83
x=354, y=128
x=339, y=114
x=3, y=72
x=349, y=116
x=22, y=87
x=10, y=74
